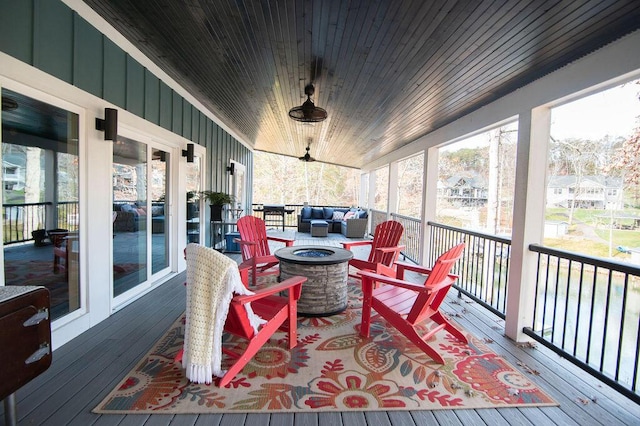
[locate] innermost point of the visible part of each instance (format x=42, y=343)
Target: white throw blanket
x=212, y=280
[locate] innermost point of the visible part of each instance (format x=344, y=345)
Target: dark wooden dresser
x=25, y=340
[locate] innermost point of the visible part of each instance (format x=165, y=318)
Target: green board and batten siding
x=50, y=36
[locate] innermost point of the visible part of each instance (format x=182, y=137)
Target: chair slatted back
x=253, y=229
x=439, y=281
x=387, y=234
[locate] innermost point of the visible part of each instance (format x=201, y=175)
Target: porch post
x=372, y=198
x=51, y=189
x=364, y=200
x=429, y=199
x=372, y=189
x=528, y=218
x=392, y=189
x=363, y=196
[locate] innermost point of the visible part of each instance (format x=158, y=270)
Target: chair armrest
x=288, y=242
x=257, y=260
x=239, y=241
x=411, y=267
x=294, y=283
x=377, y=278
x=350, y=244
x=251, y=244
x=390, y=249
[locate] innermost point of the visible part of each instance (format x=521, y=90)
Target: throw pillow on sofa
x=338, y=215
x=129, y=209
x=349, y=215
x=317, y=213
x=327, y=212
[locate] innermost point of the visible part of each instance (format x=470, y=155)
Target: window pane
x=476, y=181
x=410, y=177
x=40, y=199
x=593, y=182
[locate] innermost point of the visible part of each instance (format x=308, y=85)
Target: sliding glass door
x=141, y=225
x=159, y=210
x=130, y=231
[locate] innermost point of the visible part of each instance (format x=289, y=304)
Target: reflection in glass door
x=130, y=214
x=238, y=189
x=40, y=199
x=159, y=206
x=193, y=201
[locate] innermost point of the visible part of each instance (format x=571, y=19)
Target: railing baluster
x=606, y=321
x=535, y=298
x=592, y=307
x=546, y=293
x=554, y=317
x=634, y=380
x=578, y=310
x=622, y=325
x=566, y=305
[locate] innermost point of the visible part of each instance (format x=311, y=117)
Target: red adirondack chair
x=278, y=312
x=254, y=246
x=405, y=305
x=384, y=249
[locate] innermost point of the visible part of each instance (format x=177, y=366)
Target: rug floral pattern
x=332, y=368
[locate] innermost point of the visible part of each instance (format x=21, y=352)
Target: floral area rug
x=332, y=368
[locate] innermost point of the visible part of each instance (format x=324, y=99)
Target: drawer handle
x=39, y=354
x=36, y=319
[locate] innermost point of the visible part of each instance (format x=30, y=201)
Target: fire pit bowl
x=326, y=269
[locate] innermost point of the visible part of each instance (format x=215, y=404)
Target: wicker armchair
x=354, y=228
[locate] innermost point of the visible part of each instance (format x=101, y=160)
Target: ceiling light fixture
x=308, y=112
x=307, y=157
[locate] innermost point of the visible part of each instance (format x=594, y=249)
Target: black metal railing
x=68, y=215
x=587, y=310
x=410, y=237
x=19, y=220
x=377, y=217
x=484, y=266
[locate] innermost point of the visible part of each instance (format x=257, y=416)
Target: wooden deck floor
x=87, y=368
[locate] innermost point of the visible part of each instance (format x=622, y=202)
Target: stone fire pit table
x=326, y=269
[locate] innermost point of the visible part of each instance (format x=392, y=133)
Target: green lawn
x=576, y=240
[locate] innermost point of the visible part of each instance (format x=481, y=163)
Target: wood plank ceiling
x=387, y=72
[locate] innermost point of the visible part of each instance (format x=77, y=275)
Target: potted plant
x=217, y=200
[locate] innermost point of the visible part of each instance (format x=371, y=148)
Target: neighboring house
x=588, y=192
x=13, y=173
x=463, y=191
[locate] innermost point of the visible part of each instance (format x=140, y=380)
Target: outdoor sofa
x=354, y=226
